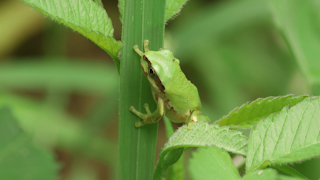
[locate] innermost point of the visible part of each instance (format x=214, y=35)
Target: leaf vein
x=295, y=132
x=281, y=132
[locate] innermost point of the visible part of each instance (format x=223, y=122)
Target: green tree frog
x=176, y=97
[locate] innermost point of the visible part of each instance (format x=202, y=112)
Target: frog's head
x=158, y=66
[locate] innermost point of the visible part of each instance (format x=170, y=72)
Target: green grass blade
x=298, y=22
x=212, y=163
x=19, y=157
x=249, y=114
x=141, y=20
x=173, y=7
x=200, y=135
x=85, y=17
x=291, y=135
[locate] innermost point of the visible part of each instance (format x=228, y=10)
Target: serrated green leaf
x=212, y=163
x=298, y=22
x=85, y=17
x=19, y=157
x=267, y=174
x=99, y=2
x=172, y=8
x=201, y=135
x=283, y=177
x=176, y=170
x=288, y=136
x=249, y=114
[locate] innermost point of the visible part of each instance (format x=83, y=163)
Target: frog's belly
x=177, y=117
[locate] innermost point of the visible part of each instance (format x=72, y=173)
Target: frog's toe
x=146, y=107
x=132, y=108
x=139, y=124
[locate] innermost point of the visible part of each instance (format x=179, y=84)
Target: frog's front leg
x=149, y=117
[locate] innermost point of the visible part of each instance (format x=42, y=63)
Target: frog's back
x=182, y=96
x=185, y=98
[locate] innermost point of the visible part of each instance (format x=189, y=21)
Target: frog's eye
x=152, y=73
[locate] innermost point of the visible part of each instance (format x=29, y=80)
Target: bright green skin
x=175, y=95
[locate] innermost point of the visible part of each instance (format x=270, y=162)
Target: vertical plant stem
x=143, y=19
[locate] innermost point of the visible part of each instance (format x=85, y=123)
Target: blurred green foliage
x=63, y=89
x=20, y=157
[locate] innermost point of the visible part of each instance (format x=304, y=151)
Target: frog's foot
x=144, y=117
x=191, y=122
x=139, y=124
x=149, y=117
x=197, y=116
